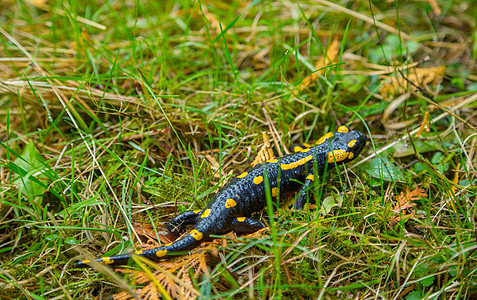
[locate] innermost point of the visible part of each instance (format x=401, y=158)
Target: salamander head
x=346, y=144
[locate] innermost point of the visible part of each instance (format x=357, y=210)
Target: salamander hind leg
x=303, y=194
x=188, y=242
x=177, y=225
x=246, y=225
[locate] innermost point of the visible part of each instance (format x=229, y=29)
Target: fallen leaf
x=265, y=153
x=382, y=169
x=424, y=125
x=420, y=77
x=37, y=3
x=452, y=190
x=404, y=203
x=329, y=202
x=178, y=266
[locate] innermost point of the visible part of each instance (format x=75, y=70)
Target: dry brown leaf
x=148, y=292
x=218, y=171
x=144, y=230
x=424, y=125
x=265, y=153
x=84, y=37
x=394, y=104
x=37, y=3
x=321, y=63
x=132, y=84
x=179, y=265
x=419, y=76
x=212, y=18
x=148, y=236
x=214, y=165
x=404, y=203
x=404, y=200
x=452, y=190
x=136, y=277
x=256, y=234
x=199, y=261
x=396, y=219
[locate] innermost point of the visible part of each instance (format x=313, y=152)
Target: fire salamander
x=231, y=208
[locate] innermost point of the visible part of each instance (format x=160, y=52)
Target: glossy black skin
x=249, y=197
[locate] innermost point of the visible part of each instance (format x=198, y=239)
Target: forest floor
x=118, y=115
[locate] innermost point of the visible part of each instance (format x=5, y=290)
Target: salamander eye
x=343, y=129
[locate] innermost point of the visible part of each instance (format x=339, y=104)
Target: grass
x=114, y=112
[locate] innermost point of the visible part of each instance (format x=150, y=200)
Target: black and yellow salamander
x=230, y=209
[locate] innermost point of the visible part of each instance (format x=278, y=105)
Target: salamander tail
x=112, y=260
x=190, y=241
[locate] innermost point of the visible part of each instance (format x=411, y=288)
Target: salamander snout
x=346, y=145
x=356, y=143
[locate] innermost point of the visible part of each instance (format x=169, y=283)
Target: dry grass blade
x=459, y=103
x=365, y=18
x=452, y=194
x=435, y=7
x=116, y=111
x=394, y=105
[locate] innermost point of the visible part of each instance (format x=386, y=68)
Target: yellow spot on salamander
x=324, y=138
x=258, y=179
x=168, y=244
x=161, y=253
x=242, y=175
x=86, y=261
x=300, y=149
x=206, y=213
x=350, y=155
x=343, y=129
x=297, y=149
x=352, y=143
x=311, y=177
x=230, y=203
x=297, y=163
x=241, y=219
x=306, y=145
x=337, y=156
x=107, y=260
x=196, y=234
x=272, y=160
x=274, y=192
x=138, y=252
x=197, y=211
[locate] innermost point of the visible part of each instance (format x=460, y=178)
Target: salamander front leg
x=177, y=225
x=302, y=196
